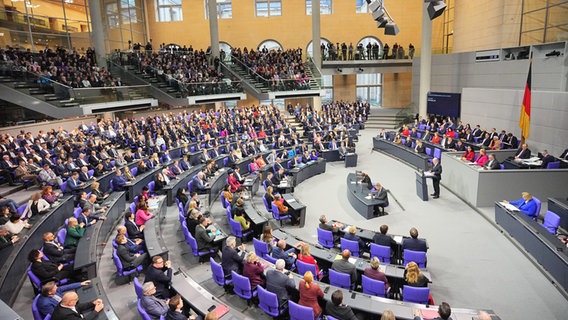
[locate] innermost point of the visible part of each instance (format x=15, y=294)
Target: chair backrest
x=303, y=267
x=260, y=248
x=415, y=294
x=298, y=312
x=372, y=286
x=275, y=211
x=241, y=286
x=551, y=222
x=229, y=212
x=383, y=253
x=502, y=166
x=266, y=205
x=134, y=171
x=538, y=206
x=61, y=234
x=217, y=272
x=417, y=256
x=325, y=238
x=143, y=313
x=117, y=263
x=236, y=228
x=90, y=172
x=338, y=279
x=151, y=186
x=132, y=208
x=222, y=196
x=268, y=302
x=138, y=288
x=77, y=212
x=330, y=317
x=22, y=208
x=352, y=246
x=264, y=184
x=63, y=187
x=437, y=153
x=34, y=280
x=553, y=165
x=429, y=151
x=270, y=259
x=35, y=311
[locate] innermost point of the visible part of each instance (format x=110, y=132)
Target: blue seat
x=132, y=208
x=120, y=269
x=223, y=200
x=266, y=205
x=242, y=287
x=303, y=267
x=383, y=253
x=260, y=248
x=270, y=259
x=538, y=206
x=352, y=246
x=276, y=214
x=415, y=294
x=77, y=212
x=22, y=208
x=134, y=171
x=218, y=274
x=338, y=279
x=551, y=222
x=61, y=234
x=190, y=240
x=35, y=311
x=553, y=165
x=373, y=287
x=138, y=288
x=428, y=151
x=268, y=302
x=151, y=186
x=325, y=238
x=298, y=312
x=237, y=229
x=143, y=313
x=417, y=256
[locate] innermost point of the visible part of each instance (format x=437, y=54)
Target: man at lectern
x=366, y=180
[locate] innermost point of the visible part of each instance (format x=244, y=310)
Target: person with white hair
x=153, y=306
x=279, y=281
x=232, y=260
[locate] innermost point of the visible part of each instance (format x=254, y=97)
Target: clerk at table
x=526, y=204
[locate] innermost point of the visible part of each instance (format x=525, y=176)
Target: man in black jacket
x=160, y=273
x=233, y=260
x=69, y=308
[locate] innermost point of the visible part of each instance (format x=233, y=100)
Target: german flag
x=525, y=120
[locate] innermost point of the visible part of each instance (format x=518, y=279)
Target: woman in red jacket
x=306, y=257
x=468, y=155
x=233, y=182
x=309, y=293
x=253, y=270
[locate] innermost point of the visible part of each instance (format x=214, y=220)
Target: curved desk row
x=408, y=155
x=560, y=207
x=368, y=235
x=153, y=228
x=91, y=245
x=546, y=248
x=307, y=171
x=15, y=258
x=181, y=182
x=359, y=197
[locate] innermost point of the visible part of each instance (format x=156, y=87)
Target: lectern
x=421, y=186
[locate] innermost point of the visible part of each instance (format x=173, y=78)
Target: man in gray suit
x=380, y=193
x=153, y=306
x=278, y=282
x=204, y=238
x=344, y=266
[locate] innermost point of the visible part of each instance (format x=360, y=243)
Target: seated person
x=306, y=257
x=153, y=306
x=492, y=163
x=51, y=295
x=283, y=210
x=254, y=270
x=36, y=206
x=337, y=309
x=128, y=259
x=375, y=273
x=334, y=228
x=344, y=266
x=468, y=155
x=47, y=270
x=413, y=243
x=240, y=215
x=16, y=224
x=482, y=159
x=280, y=252
x=55, y=251
x=351, y=235
x=75, y=232
x=526, y=204
x=413, y=277
x=280, y=282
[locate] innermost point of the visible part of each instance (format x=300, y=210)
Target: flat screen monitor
x=444, y=103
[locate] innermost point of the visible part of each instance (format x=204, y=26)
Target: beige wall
x=486, y=24
x=34, y=128
x=397, y=90
x=344, y=87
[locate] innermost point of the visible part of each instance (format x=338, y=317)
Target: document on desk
x=397, y=239
x=368, y=197
x=428, y=174
x=509, y=206
x=429, y=314
x=291, y=200
x=353, y=182
x=352, y=260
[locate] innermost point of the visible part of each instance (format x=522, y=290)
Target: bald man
x=69, y=308
x=344, y=266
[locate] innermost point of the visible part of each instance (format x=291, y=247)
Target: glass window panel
x=310, y=48
x=261, y=9
x=325, y=7
x=275, y=8
x=362, y=93
x=328, y=95
x=224, y=9
x=361, y=6
x=375, y=95
x=169, y=10
x=270, y=45
x=327, y=80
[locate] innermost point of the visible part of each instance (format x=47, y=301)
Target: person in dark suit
x=337, y=309
x=199, y=184
x=69, y=308
x=278, y=282
x=523, y=152
x=47, y=270
x=54, y=251
x=160, y=273
x=203, y=237
x=492, y=163
x=74, y=184
x=379, y=193
x=351, y=236
x=133, y=231
x=334, y=228
x=51, y=294
x=279, y=252
x=366, y=180
x=436, y=175
x=546, y=159
x=134, y=245
x=382, y=239
x=153, y=306
x=233, y=260
x=419, y=148
x=344, y=266
x=128, y=259
x=175, y=306
x=119, y=181
x=413, y=243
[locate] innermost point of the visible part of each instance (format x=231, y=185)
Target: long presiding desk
x=403, y=153
x=481, y=188
x=15, y=258
x=546, y=248
x=359, y=198
x=91, y=245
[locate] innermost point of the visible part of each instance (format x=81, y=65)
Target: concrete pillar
x=213, y=27
x=219, y=106
x=316, y=34
x=97, y=33
x=425, y=61
x=316, y=103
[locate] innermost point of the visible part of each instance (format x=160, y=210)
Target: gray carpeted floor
x=471, y=262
